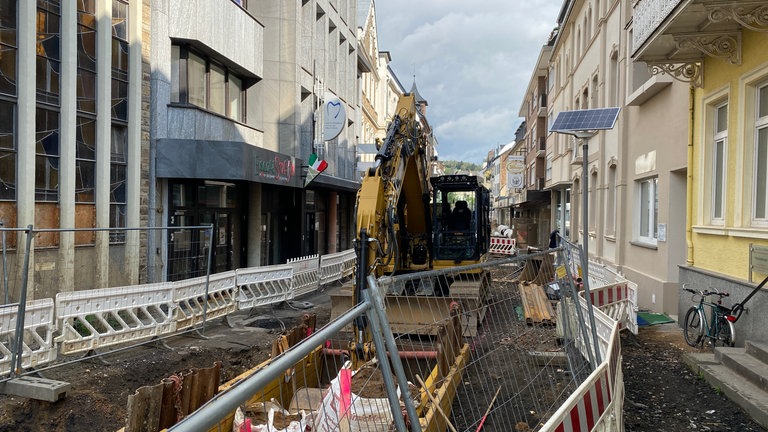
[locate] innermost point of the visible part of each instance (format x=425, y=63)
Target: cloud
x=472, y=62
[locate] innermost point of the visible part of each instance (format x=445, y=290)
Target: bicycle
x=718, y=329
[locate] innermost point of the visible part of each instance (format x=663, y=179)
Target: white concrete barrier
x=37, y=343
x=259, y=286
x=305, y=274
x=98, y=318
x=189, y=296
x=336, y=266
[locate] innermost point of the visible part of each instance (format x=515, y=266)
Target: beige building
x=531, y=202
x=635, y=171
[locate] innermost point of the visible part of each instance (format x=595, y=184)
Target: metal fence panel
x=104, y=317
x=193, y=306
x=258, y=286
x=37, y=343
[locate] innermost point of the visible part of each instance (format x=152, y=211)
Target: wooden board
x=536, y=306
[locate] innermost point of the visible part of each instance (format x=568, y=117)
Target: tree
x=454, y=167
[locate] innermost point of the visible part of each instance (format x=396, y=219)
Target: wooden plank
x=536, y=306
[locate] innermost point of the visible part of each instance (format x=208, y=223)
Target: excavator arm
x=393, y=200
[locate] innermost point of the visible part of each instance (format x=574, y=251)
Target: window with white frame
x=760, y=207
x=719, y=151
x=648, y=207
x=548, y=172
x=610, y=212
x=532, y=173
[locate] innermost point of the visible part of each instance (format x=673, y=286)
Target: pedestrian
x=553, y=241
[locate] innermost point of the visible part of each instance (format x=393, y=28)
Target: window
x=594, y=103
x=532, y=175
x=46, y=155
x=551, y=78
x=197, y=80
x=119, y=131
x=119, y=60
x=549, y=168
x=85, y=160
x=86, y=56
x=648, y=210
x=8, y=47
x=593, y=202
x=117, y=178
x=7, y=151
x=718, y=162
x=761, y=155
x=48, y=60
x=614, y=77
x=610, y=205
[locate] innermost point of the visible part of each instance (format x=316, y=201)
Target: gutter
x=689, y=182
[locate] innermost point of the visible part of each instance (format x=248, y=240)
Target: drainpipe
x=689, y=182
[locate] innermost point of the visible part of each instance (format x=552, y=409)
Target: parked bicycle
x=715, y=324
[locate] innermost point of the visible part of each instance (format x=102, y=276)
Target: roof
x=419, y=99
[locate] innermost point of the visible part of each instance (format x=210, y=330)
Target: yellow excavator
x=409, y=221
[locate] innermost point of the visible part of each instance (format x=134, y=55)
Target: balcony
x=541, y=183
x=673, y=36
x=542, y=111
x=542, y=148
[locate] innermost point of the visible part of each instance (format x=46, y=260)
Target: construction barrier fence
x=87, y=320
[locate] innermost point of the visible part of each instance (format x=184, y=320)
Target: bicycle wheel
x=693, y=327
x=726, y=334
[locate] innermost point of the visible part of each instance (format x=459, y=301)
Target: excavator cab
x=460, y=219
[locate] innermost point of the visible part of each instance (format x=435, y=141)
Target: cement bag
x=269, y=417
x=343, y=410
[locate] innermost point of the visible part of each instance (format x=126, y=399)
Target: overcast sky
x=472, y=60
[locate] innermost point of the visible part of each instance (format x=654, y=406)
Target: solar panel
x=584, y=120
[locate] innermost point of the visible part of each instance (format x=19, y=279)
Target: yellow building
x=719, y=48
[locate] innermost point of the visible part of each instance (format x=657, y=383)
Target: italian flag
x=316, y=166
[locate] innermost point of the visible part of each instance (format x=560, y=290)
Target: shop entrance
x=199, y=203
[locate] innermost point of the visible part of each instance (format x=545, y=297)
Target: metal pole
x=207, y=278
x=223, y=404
x=386, y=372
x=397, y=364
x=5, y=266
x=585, y=259
x=18, y=348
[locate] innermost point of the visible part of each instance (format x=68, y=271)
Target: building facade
x=234, y=124
x=726, y=67
x=532, y=203
x=636, y=171
x=70, y=140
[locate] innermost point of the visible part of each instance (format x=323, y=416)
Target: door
x=266, y=235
